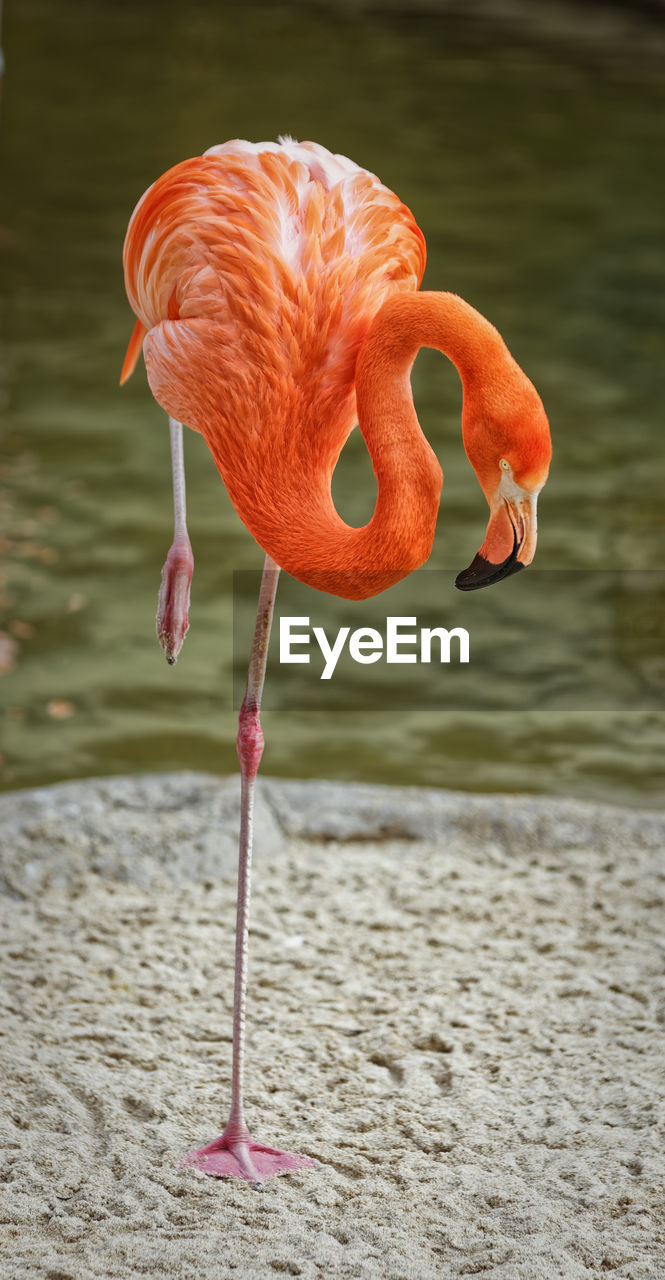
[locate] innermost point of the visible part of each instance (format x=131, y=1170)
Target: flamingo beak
x=510, y=541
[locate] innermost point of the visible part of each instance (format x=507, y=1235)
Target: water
x=533, y=162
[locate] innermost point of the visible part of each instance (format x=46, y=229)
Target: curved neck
x=357, y=563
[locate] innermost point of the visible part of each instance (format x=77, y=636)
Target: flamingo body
x=255, y=272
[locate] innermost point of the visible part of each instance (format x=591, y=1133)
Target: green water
x=534, y=163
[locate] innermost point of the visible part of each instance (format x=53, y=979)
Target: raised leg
x=173, y=607
x=234, y=1154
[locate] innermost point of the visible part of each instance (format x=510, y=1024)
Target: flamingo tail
x=133, y=352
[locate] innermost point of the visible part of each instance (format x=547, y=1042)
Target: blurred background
x=529, y=144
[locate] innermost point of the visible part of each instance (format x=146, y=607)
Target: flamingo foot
x=242, y=1158
x=173, y=608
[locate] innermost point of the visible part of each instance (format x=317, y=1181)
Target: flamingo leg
x=173, y=607
x=234, y=1154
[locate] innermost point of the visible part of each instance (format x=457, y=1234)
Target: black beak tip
x=482, y=573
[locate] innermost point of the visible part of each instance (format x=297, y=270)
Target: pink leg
x=173, y=607
x=234, y=1153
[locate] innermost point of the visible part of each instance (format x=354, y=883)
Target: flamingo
x=276, y=290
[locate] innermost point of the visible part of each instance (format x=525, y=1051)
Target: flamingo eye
x=504, y=464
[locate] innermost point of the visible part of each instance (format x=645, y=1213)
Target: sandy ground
x=457, y=1007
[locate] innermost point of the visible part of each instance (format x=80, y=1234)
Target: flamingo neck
x=357, y=563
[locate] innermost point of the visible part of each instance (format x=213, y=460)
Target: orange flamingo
x=276, y=290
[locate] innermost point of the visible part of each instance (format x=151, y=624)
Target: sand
x=457, y=1006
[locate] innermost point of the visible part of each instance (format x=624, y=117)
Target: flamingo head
x=507, y=440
